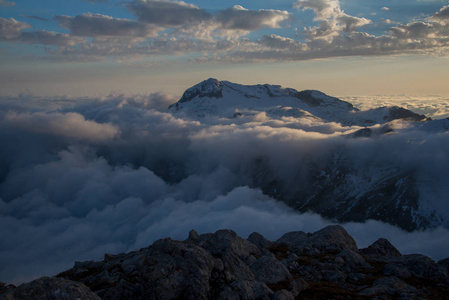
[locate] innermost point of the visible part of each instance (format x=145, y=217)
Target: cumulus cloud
x=165, y=27
x=442, y=16
x=332, y=19
x=90, y=176
x=249, y=20
x=166, y=13
x=416, y=30
x=196, y=21
x=12, y=30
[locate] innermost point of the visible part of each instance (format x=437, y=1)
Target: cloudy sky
x=343, y=47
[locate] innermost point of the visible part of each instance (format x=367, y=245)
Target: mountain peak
x=214, y=97
x=211, y=88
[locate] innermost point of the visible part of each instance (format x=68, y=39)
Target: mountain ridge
x=223, y=98
x=325, y=264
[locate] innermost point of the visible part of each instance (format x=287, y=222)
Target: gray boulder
x=283, y=295
x=390, y=286
x=50, y=289
x=330, y=238
x=297, y=286
x=166, y=270
x=227, y=242
x=269, y=270
x=246, y=290
x=260, y=241
x=381, y=248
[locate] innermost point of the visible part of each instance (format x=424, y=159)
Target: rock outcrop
x=322, y=265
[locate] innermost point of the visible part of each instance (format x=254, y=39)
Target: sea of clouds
x=83, y=177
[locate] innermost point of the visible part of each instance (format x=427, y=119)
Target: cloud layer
x=236, y=34
x=82, y=177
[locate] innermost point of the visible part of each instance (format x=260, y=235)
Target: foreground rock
x=323, y=265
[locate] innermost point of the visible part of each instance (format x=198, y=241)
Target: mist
x=81, y=177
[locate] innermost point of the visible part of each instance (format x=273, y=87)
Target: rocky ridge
x=323, y=265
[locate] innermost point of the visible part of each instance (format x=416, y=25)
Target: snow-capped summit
x=211, y=88
x=214, y=98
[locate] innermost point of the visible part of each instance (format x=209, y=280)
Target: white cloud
x=11, y=28
x=333, y=20
x=70, y=125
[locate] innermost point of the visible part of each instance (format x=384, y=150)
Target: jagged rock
x=242, y=289
x=352, y=260
x=236, y=269
x=166, y=270
x=227, y=242
x=379, y=248
x=6, y=287
x=283, y=295
x=297, y=286
x=269, y=270
x=414, y=265
x=260, y=241
x=444, y=263
x=50, y=289
x=294, y=238
x=390, y=286
x=193, y=235
x=330, y=238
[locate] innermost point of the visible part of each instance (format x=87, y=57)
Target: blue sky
x=344, y=47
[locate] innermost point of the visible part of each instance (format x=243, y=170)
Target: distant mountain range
x=337, y=188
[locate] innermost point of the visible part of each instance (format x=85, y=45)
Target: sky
x=342, y=47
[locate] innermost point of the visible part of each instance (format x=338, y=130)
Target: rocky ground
x=324, y=265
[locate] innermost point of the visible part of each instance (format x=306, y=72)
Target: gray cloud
x=166, y=13
x=12, y=30
x=48, y=38
x=442, y=15
x=242, y=19
x=35, y=18
x=166, y=27
x=96, y=25
x=418, y=30
x=5, y=3
x=97, y=1
x=82, y=177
